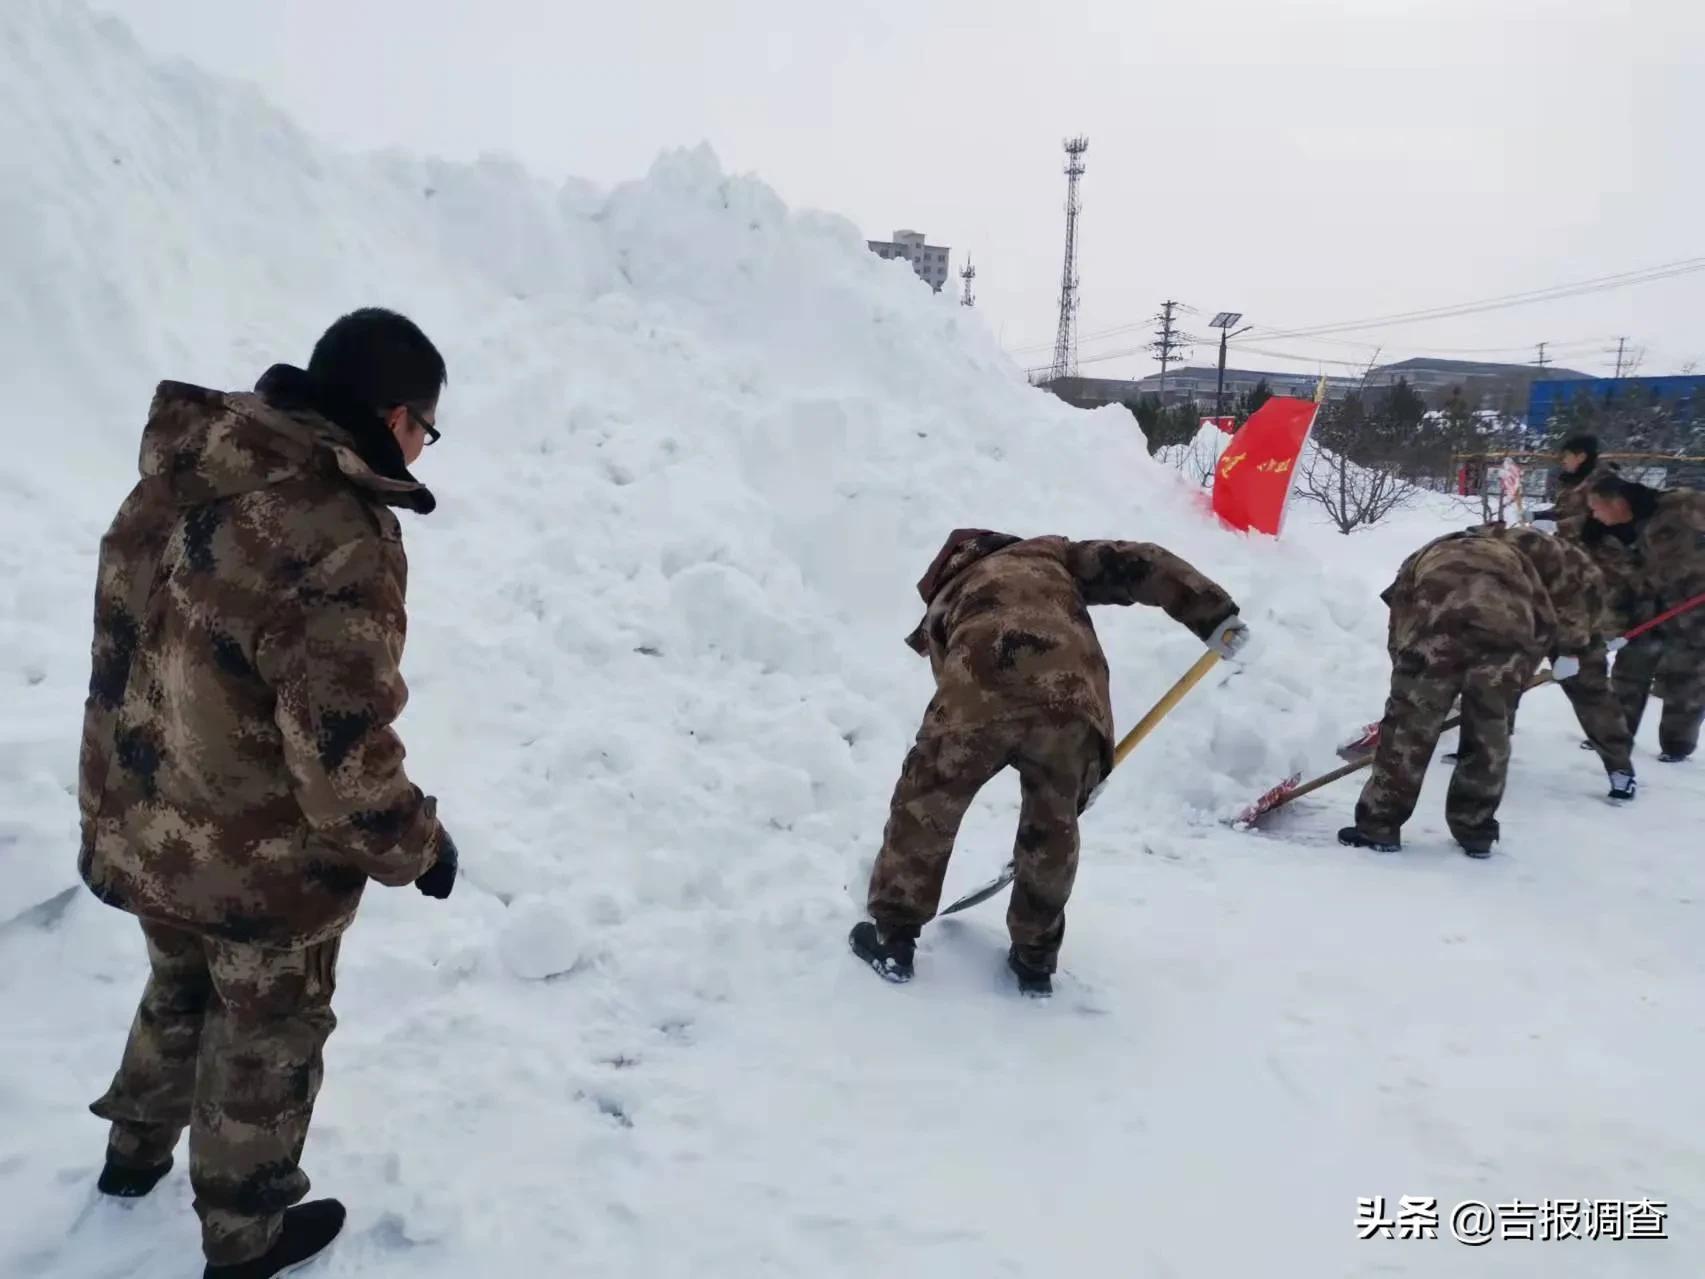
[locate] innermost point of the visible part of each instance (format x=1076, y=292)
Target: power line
x=1304, y=359
x=1599, y=284
x=1575, y=344
x=1299, y=357
x=1581, y=345
x=1557, y=292
x=1149, y=349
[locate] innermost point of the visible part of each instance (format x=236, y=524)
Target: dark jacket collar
x=290, y=389
x=1642, y=501
x=963, y=548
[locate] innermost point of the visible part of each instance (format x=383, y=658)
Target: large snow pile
x=697, y=448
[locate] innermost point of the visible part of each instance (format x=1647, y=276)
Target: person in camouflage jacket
x=1659, y=536
x=1579, y=456
x=1584, y=622
x=1470, y=618
x=240, y=780
x=1021, y=682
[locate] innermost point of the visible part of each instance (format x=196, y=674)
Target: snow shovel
x=1127, y=744
x=1686, y=606
x=1293, y=787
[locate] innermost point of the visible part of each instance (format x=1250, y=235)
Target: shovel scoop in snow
x=1359, y=751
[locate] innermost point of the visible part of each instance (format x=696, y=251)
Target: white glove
x=1545, y=526
x=1565, y=668
x=1616, y=645
x=1093, y=796
x=1525, y=516
x=1229, y=637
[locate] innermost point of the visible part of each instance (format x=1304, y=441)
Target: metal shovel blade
x=983, y=894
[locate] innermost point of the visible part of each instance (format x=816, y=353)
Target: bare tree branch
x=1370, y=459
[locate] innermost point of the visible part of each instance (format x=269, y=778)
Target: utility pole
x=1373, y=363
x=1621, y=347
x=1065, y=340
x=967, y=274
x=1166, y=342
x=1542, y=361
x=1223, y=321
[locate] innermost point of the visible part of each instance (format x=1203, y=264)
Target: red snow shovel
x=1293, y=787
x=1127, y=744
x=1683, y=607
x=1359, y=751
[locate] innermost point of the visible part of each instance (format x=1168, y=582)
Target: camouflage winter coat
x=239, y=775
x=1656, y=562
x=1009, y=636
x=1474, y=592
x=1573, y=583
x=1612, y=551
x=1570, y=510
x=1670, y=547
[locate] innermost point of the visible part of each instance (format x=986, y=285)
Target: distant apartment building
x=928, y=260
x=1195, y=384
x=1427, y=374
x=1192, y=384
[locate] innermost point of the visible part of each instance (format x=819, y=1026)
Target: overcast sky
x=1306, y=162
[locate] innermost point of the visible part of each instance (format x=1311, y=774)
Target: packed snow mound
x=697, y=449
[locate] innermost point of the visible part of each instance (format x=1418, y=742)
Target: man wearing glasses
x=240, y=781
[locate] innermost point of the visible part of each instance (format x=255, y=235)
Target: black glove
x=438, y=881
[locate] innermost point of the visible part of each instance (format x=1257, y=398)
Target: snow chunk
x=541, y=939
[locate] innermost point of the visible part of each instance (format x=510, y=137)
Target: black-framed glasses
x=432, y=432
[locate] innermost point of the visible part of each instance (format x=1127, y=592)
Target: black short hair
x=1587, y=444
x=1610, y=484
x=380, y=358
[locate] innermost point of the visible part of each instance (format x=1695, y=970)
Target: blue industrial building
x=1546, y=399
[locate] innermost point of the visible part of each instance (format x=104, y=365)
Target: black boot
x=1477, y=847
x=1031, y=981
x=308, y=1228
x=890, y=954
x=1673, y=757
x=1622, y=786
x=1350, y=837
x=130, y=1183
x=1586, y=745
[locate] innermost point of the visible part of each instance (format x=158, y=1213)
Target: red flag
x=1253, y=480
x=1226, y=424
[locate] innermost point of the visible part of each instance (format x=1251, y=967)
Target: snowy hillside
x=697, y=449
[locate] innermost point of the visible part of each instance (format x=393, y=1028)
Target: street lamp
x=1223, y=321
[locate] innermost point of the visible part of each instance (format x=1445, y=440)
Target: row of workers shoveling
x=1474, y=615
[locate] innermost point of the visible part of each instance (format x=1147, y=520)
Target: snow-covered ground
x=697, y=448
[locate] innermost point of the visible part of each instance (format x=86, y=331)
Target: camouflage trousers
x=227, y=1041
x=1672, y=668
x=1058, y=766
x=1424, y=683
x=1600, y=713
